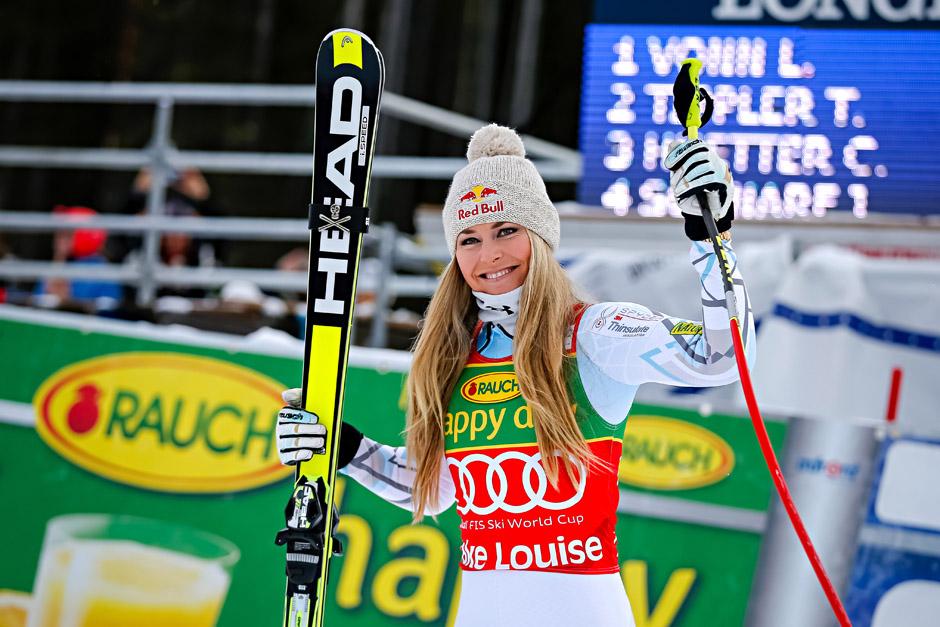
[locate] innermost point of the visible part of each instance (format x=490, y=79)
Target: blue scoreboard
x=812, y=121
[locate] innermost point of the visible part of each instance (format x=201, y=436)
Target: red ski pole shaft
x=693, y=123
x=760, y=429
x=780, y=483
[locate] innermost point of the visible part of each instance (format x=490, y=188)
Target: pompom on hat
x=499, y=185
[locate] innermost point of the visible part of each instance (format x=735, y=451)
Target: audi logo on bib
x=513, y=518
x=513, y=482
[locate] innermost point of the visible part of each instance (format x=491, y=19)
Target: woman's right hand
x=299, y=435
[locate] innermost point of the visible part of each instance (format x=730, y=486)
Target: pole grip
x=693, y=120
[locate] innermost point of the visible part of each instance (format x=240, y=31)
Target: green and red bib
x=511, y=517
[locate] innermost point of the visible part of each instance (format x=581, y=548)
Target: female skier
x=519, y=392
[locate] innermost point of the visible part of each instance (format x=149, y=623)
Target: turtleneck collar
x=500, y=309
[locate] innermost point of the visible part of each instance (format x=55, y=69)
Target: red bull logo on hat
x=477, y=195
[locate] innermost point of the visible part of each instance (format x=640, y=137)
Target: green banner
x=145, y=458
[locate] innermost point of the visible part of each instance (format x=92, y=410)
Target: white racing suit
x=616, y=348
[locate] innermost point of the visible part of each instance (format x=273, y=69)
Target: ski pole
x=693, y=122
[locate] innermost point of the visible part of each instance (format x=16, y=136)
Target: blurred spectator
x=295, y=260
x=188, y=195
x=81, y=247
x=240, y=308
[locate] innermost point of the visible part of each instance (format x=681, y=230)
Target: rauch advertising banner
x=141, y=486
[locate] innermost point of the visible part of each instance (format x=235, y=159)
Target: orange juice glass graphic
x=99, y=570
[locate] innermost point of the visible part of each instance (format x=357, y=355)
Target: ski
x=350, y=75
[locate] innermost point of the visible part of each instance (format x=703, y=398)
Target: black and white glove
x=300, y=436
x=695, y=168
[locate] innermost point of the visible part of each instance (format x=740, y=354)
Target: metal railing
x=162, y=158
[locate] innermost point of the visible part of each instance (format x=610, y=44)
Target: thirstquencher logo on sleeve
x=164, y=421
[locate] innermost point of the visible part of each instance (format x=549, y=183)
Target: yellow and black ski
x=350, y=75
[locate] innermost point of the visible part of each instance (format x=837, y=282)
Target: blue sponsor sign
x=832, y=468
x=812, y=121
x=896, y=575
x=831, y=13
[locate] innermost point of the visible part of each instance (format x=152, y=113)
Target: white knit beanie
x=498, y=185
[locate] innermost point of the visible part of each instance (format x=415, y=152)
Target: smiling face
x=494, y=257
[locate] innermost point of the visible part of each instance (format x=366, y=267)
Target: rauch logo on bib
x=491, y=387
x=164, y=421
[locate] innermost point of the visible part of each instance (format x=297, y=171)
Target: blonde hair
x=546, y=309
